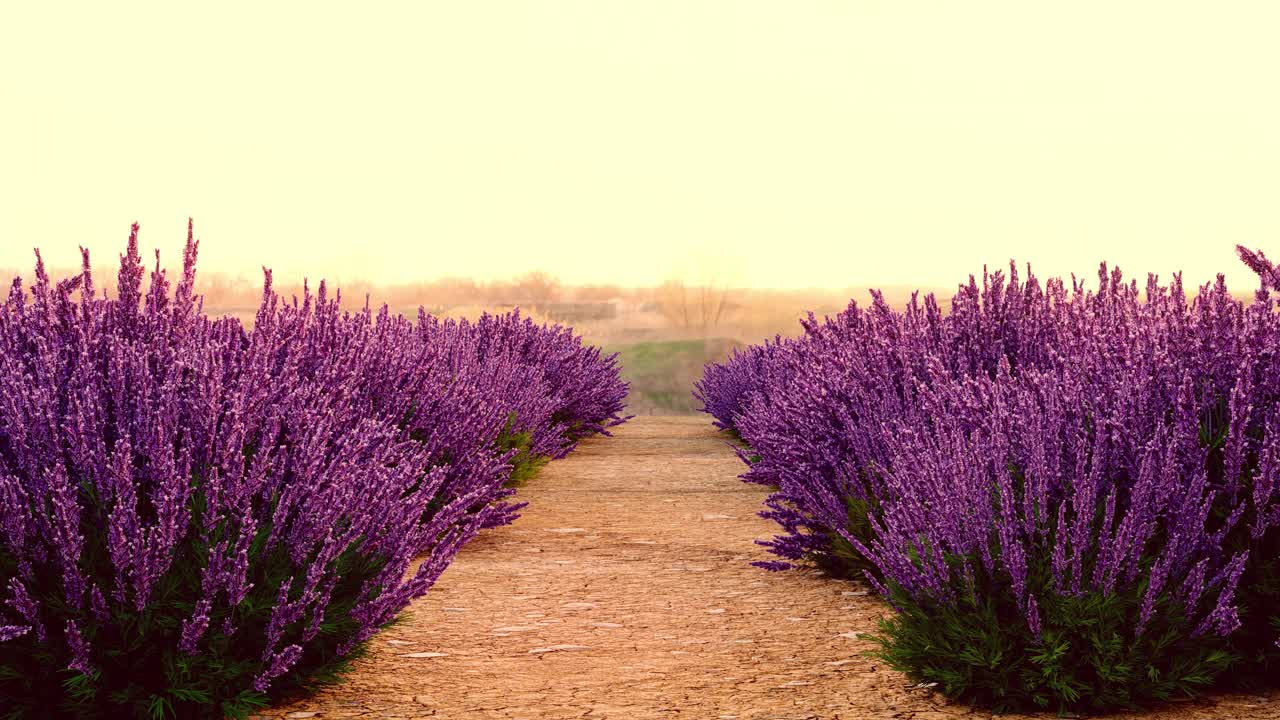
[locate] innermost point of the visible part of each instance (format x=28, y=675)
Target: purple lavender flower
x=1048, y=424
x=1033, y=617
x=146, y=447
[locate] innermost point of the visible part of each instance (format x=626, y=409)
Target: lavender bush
x=725, y=385
x=1069, y=495
x=195, y=517
x=549, y=390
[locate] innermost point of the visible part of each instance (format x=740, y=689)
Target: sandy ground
x=625, y=591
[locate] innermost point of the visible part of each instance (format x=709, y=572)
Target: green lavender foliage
x=142, y=674
x=1089, y=657
x=1086, y=659
x=1257, y=642
x=843, y=560
x=525, y=462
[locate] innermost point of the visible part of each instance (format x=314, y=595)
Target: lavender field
x=197, y=517
x=1068, y=494
x=1065, y=496
x=617, y=360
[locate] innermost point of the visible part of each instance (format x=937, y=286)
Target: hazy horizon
x=761, y=145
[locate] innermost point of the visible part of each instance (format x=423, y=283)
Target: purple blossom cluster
x=1120, y=436
x=723, y=386
x=578, y=385
x=138, y=428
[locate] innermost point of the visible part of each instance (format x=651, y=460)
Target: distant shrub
x=195, y=518
x=578, y=391
x=724, y=386
x=1070, y=496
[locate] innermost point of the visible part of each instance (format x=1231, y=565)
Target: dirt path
x=624, y=592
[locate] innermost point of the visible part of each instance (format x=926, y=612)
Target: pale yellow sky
x=785, y=143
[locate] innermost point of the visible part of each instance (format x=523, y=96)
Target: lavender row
x=194, y=514
x=1035, y=441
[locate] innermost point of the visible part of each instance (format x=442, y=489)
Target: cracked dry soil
x=624, y=591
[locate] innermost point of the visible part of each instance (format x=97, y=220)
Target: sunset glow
x=768, y=144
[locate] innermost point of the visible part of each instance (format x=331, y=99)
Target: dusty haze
x=668, y=176
x=774, y=144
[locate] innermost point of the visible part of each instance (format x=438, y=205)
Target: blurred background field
x=663, y=335
x=678, y=171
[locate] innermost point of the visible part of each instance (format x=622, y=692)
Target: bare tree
x=673, y=302
x=537, y=288
x=701, y=307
